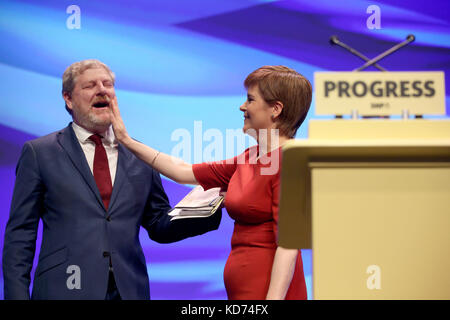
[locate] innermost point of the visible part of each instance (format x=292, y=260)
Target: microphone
x=410, y=38
x=335, y=41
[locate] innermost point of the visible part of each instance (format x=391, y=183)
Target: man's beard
x=91, y=121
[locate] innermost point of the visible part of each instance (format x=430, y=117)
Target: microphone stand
x=410, y=38
x=372, y=62
x=335, y=41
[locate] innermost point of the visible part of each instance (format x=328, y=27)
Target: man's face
x=90, y=100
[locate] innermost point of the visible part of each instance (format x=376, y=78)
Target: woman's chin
x=250, y=131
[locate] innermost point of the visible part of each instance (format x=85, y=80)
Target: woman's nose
x=243, y=107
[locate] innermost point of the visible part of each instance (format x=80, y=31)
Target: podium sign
x=379, y=93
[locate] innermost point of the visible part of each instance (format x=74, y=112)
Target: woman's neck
x=268, y=143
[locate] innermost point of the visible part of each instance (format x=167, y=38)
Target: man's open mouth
x=101, y=104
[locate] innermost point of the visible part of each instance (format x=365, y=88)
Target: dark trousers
x=112, y=292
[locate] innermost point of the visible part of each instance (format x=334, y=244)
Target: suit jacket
x=54, y=183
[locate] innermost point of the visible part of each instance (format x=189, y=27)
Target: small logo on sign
x=379, y=105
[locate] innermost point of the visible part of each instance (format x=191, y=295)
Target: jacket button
x=106, y=254
x=108, y=218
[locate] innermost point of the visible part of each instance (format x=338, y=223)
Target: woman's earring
x=272, y=117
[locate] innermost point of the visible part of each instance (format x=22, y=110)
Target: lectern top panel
x=379, y=93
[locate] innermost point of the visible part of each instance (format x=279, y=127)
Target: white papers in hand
x=198, y=204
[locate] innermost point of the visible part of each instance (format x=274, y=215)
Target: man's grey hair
x=75, y=69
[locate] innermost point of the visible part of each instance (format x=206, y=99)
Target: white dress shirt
x=109, y=142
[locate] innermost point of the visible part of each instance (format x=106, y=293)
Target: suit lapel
x=68, y=140
x=121, y=174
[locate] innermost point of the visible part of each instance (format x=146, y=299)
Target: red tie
x=102, y=175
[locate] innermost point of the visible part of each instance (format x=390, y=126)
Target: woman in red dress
x=278, y=99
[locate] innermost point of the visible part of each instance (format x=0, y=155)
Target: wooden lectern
x=371, y=198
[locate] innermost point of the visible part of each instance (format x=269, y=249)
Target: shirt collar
x=83, y=135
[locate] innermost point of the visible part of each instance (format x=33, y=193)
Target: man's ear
x=277, y=109
x=68, y=99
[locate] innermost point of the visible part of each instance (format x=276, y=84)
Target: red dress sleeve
x=215, y=174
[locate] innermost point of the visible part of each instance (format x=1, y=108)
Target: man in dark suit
x=92, y=195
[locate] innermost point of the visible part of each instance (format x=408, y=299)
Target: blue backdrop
x=177, y=62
